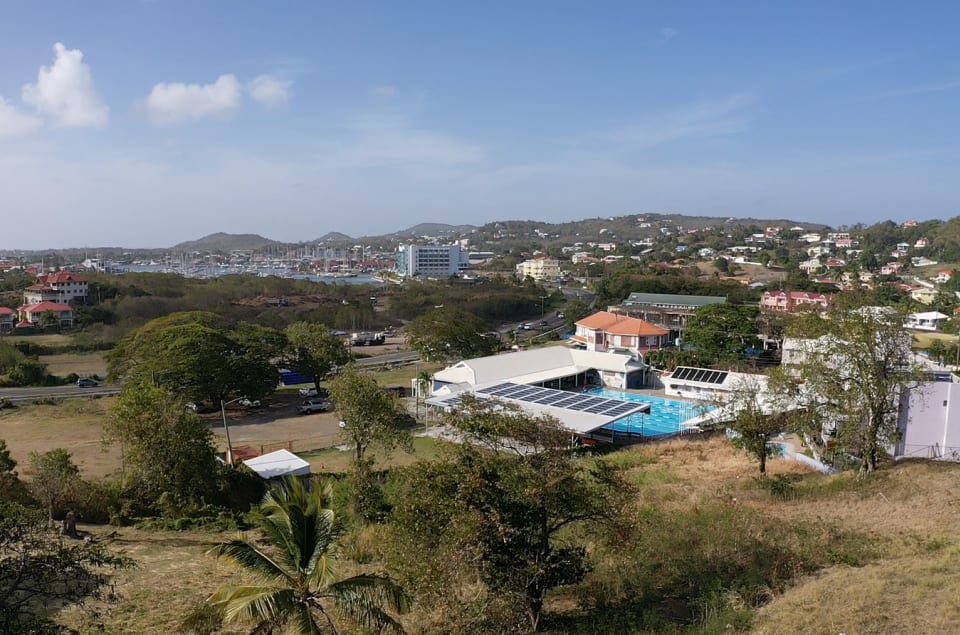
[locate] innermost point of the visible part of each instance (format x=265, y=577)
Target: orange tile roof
x=598, y=320
x=620, y=324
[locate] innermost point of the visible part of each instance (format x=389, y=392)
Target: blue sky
x=148, y=123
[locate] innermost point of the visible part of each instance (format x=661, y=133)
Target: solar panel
x=499, y=387
x=619, y=410
x=597, y=408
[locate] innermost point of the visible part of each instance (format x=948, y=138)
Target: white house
x=61, y=287
x=927, y=321
x=539, y=269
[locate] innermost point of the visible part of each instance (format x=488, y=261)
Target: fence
x=935, y=451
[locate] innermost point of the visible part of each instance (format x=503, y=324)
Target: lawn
x=338, y=460
x=402, y=376
x=53, y=339
x=73, y=424
x=83, y=364
x=922, y=341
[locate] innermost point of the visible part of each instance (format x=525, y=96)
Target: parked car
x=560, y=314
x=249, y=403
x=523, y=326
x=86, y=382
x=313, y=405
x=312, y=392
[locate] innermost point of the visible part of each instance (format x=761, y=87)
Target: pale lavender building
x=930, y=422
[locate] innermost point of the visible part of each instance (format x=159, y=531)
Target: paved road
x=47, y=392
x=388, y=358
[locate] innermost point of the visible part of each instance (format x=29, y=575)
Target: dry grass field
x=83, y=364
x=909, y=510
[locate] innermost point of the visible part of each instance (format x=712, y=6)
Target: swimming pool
x=665, y=415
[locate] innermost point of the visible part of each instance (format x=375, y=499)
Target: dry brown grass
x=75, y=425
x=909, y=510
x=173, y=574
x=83, y=364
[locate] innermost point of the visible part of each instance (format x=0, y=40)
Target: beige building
x=539, y=269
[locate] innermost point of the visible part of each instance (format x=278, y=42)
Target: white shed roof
x=277, y=464
x=534, y=365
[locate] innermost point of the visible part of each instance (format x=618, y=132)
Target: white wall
x=930, y=423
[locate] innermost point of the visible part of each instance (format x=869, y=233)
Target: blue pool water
x=665, y=415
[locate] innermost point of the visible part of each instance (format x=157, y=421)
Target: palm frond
x=303, y=622
x=260, y=603
x=252, y=559
x=361, y=597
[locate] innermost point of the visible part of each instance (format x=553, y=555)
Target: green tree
x=500, y=507
x=198, y=359
x=39, y=570
x=370, y=415
x=53, y=474
x=447, y=333
x=7, y=464
x=28, y=372
x=315, y=351
x=937, y=350
x=574, y=311
x=166, y=447
x=721, y=332
x=753, y=413
x=296, y=581
x=856, y=367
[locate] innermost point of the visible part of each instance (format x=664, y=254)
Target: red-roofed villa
x=7, y=317
x=604, y=331
x=62, y=286
x=32, y=314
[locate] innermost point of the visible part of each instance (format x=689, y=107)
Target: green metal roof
x=670, y=301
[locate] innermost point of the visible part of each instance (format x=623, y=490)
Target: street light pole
x=226, y=428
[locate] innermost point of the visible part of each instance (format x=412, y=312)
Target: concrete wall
x=930, y=422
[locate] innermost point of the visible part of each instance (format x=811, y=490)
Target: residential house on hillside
x=7, y=317
x=33, y=314
x=923, y=295
x=604, y=331
x=539, y=269
x=927, y=321
x=943, y=277
x=789, y=301
x=62, y=287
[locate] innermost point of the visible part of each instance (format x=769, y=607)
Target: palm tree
x=297, y=586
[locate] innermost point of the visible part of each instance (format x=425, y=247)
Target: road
x=388, y=358
x=47, y=392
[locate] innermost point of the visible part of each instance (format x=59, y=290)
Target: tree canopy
x=166, y=447
x=856, y=366
x=721, y=332
x=314, y=350
x=449, y=333
x=499, y=506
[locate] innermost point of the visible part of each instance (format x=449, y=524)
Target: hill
x=334, y=237
x=221, y=241
x=432, y=229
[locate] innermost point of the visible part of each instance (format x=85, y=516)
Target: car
x=523, y=326
x=313, y=405
x=86, y=382
x=249, y=403
x=308, y=392
x=543, y=323
x=560, y=315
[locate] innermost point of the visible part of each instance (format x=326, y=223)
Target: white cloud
x=269, y=90
x=176, y=103
x=14, y=123
x=65, y=91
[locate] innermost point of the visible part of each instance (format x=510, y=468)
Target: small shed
x=277, y=464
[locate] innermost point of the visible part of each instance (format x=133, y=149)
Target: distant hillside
x=433, y=229
x=334, y=237
x=225, y=242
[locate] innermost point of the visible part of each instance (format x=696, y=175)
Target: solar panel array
x=561, y=399
x=702, y=375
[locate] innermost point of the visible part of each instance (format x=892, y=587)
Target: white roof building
x=277, y=464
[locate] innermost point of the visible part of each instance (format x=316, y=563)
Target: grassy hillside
x=891, y=541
